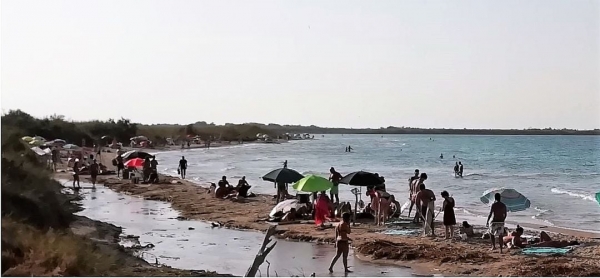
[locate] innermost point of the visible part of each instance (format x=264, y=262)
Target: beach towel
x=321, y=211
x=401, y=232
x=545, y=251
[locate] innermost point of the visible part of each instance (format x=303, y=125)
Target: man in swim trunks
x=426, y=201
x=335, y=178
x=496, y=229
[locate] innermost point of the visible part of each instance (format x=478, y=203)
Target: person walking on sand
x=496, y=229
x=120, y=165
x=76, y=175
x=335, y=178
x=449, y=217
x=426, y=201
x=94, y=170
x=55, y=158
x=342, y=242
x=182, y=167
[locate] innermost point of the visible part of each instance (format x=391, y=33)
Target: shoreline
x=107, y=237
x=435, y=256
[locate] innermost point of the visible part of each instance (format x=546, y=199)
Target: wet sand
x=425, y=255
x=191, y=244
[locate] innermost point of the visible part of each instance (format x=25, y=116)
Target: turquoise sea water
x=559, y=174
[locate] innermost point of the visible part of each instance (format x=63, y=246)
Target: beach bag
x=178, y=171
x=114, y=162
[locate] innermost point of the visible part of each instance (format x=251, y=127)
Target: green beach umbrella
x=312, y=183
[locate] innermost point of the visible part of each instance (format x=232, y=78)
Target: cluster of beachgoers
x=317, y=202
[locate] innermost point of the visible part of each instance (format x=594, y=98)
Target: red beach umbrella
x=136, y=162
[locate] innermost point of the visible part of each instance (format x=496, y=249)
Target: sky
x=418, y=63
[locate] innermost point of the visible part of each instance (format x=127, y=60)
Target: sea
x=558, y=174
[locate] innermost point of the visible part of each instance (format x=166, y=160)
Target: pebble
x=191, y=228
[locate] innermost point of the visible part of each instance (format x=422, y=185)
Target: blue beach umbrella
x=513, y=200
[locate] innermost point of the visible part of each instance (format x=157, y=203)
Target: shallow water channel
x=196, y=245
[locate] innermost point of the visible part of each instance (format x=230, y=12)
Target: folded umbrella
x=312, y=183
x=285, y=175
x=513, y=200
x=136, y=162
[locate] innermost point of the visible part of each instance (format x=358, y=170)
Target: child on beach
x=342, y=242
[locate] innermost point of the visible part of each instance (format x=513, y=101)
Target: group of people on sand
x=423, y=200
x=224, y=190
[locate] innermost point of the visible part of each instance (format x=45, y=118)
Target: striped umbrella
x=513, y=200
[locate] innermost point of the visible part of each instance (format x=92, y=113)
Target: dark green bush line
x=56, y=127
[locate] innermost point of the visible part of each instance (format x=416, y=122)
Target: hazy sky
x=473, y=64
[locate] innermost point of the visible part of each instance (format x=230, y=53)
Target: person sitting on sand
x=243, y=187
x=467, y=229
x=289, y=216
x=515, y=240
x=496, y=229
x=221, y=191
x=342, y=242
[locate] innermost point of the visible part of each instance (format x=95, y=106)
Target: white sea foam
x=588, y=197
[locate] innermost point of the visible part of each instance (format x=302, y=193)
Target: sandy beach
x=425, y=255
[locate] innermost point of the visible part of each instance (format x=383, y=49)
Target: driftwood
x=262, y=253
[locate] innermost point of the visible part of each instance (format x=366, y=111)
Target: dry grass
x=28, y=251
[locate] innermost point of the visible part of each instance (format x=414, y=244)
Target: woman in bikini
x=342, y=242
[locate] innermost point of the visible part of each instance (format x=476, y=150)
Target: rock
x=191, y=228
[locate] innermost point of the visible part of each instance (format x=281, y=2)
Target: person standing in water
x=460, y=169
x=182, y=167
x=349, y=149
x=335, y=178
x=342, y=242
x=441, y=156
x=456, y=169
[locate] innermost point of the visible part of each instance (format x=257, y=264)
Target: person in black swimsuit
x=449, y=217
